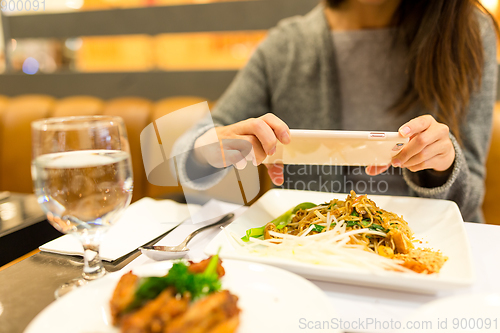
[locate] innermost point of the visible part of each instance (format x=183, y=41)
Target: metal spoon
x=158, y=253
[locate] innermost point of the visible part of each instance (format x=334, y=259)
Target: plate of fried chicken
x=208, y=296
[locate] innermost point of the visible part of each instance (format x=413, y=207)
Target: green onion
x=377, y=227
x=280, y=222
x=366, y=222
x=318, y=228
x=351, y=224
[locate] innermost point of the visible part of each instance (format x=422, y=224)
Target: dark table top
x=28, y=286
x=49, y=271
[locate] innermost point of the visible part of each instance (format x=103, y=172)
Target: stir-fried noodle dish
x=338, y=226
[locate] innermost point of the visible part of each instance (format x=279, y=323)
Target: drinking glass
x=82, y=176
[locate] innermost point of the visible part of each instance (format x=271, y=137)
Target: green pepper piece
x=254, y=232
x=304, y=205
x=280, y=222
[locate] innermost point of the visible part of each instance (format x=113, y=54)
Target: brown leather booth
x=77, y=106
x=15, y=140
x=136, y=112
x=490, y=204
x=17, y=113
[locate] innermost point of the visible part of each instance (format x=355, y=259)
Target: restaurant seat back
x=77, y=106
x=492, y=182
x=15, y=140
x=4, y=100
x=136, y=113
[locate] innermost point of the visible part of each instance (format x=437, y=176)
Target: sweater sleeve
x=465, y=184
x=248, y=96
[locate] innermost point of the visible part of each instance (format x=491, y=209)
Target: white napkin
x=141, y=222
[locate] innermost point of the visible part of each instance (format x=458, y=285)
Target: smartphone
x=355, y=148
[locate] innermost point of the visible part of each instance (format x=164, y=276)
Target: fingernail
x=405, y=130
x=396, y=163
x=272, y=151
x=285, y=138
x=279, y=181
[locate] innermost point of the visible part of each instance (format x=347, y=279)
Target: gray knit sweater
x=294, y=73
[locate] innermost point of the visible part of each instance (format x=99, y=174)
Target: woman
x=425, y=68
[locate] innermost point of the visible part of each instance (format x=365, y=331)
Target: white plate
x=437, y=222
x=463, y=313
x=272, y=300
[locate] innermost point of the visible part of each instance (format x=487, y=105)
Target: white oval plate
x=272, y=300
x=438, y=223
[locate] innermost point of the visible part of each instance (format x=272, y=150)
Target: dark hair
x=445, y=55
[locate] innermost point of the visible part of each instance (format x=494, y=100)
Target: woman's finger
x=241, y=164
x=426, y=154
x=234, y=157
x=414, y=147
x=426, y=164
x=231, y=151
x=241, y=144
x=262, y=131
x=279, y=127
x=416, y=125
x=275, y=171
x=372, y=170
x=257, y=149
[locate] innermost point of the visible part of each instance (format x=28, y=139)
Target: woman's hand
x=430, y=147
x=260, y=134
